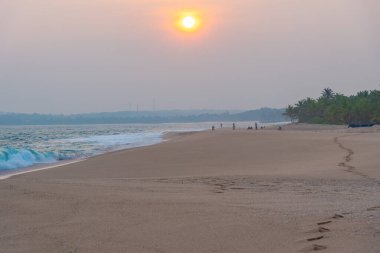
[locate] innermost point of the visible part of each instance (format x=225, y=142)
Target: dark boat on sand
x=360, y=125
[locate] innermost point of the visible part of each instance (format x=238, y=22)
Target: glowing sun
x=189, y=21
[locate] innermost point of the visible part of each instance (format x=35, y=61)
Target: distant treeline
x=149, y=117
x=334, y=108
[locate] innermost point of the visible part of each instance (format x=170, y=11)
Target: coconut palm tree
x=328, y=93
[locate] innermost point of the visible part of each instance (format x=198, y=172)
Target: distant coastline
x=264, y=115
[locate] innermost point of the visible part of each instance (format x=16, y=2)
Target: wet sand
x=303, y=189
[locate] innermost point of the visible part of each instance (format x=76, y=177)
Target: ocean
x=25, y=146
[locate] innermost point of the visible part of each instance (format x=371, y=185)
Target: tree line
x=335, y=108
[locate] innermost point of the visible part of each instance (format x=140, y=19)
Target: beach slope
x=302, y=189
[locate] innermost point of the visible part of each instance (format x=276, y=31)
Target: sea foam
x=13, y=158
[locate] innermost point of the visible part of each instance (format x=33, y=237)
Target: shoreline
x=165, y=136
x=168, y=136
x=39, y=167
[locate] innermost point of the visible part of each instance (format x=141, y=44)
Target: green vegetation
x=335, y=108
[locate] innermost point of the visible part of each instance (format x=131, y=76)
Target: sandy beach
x=303, y=189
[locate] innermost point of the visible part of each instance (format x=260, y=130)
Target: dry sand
x=304, y=189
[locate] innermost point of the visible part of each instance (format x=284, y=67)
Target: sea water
x=25, y=146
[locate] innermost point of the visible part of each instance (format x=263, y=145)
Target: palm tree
x=291, y=113
x=335, y=108
x=328, y=93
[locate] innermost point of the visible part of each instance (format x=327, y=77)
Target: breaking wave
x=13, y=158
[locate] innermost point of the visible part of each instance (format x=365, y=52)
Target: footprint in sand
x=323, y=230
x=237, y=188
x=324, y=222
x=337, y=216
x=315, y=238
x=317, y=247
x=319, y=230
x=314, y=247
x=374, y=208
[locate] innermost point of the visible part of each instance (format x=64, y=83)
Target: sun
x=189, y=21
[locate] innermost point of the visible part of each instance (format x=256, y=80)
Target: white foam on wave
x=17, y=158
x=116, y=140
x=11, y=158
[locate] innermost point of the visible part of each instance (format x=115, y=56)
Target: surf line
x=3, y=177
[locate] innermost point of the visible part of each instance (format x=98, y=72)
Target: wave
x=14, y=158
x=63, y=149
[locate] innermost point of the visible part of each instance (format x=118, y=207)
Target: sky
x=74, y=56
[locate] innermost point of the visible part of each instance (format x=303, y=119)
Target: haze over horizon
x=112, y=55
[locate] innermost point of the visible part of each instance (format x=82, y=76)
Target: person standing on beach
x=233, y=126
x=256, y=125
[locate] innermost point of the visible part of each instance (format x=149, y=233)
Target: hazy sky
x=68, y=56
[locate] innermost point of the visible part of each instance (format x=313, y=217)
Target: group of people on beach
x=234, y=127
x=256, y=127
x=248, y=128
